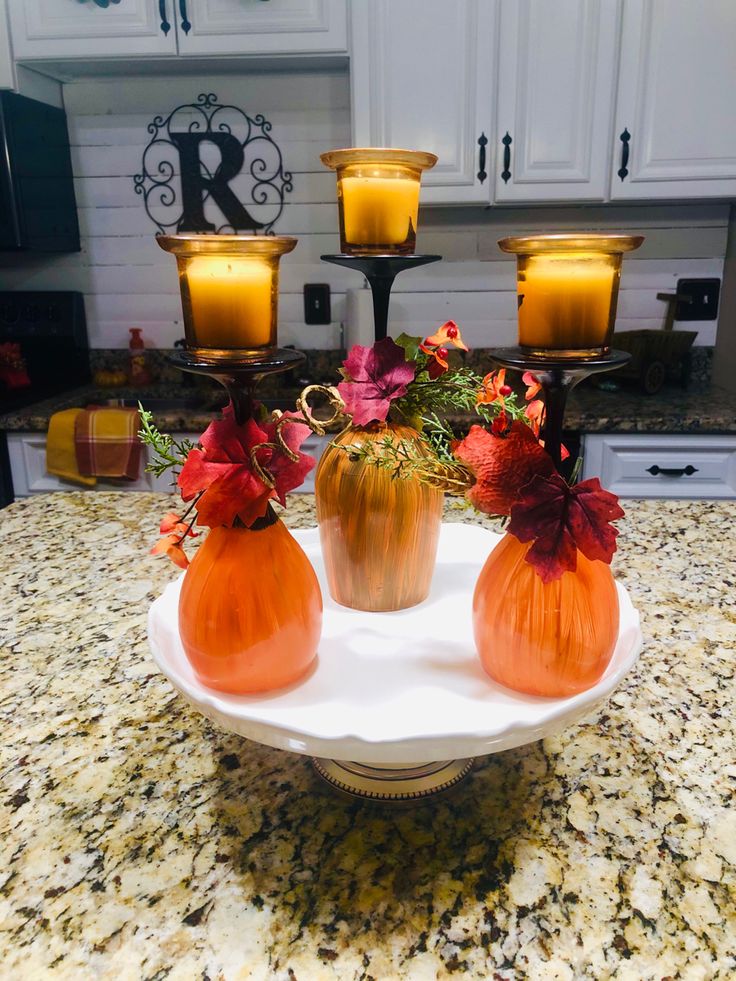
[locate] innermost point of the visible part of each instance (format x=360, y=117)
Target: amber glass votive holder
x=567, y=291
x=378, y=198
x=229, y=292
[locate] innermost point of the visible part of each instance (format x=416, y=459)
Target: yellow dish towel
x=61, y=455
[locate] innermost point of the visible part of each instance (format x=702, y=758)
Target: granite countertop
x=141, y=842
x=590, y=410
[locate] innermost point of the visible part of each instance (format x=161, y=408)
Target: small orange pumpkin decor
x=250, y=609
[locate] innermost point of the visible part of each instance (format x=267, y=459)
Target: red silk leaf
x=376, y=376
x=223, y=472
x=503, y=461
x=562, y=520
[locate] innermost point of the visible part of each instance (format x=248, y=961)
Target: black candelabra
x=240, y=377
x=380, y=271
x=557, y=376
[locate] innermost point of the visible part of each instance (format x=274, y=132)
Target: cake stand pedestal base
x=391, y=782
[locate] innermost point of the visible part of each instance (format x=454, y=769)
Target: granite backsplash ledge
x=701, y=408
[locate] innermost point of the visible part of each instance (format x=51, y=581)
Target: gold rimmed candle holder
x=229, y=292
x=567, y=289
x=378, y=198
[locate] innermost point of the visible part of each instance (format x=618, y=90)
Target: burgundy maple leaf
x=375, y=377
x=561, y=520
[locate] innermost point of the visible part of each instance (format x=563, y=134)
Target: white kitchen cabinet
x=422, y=77
x=7, y=75
x=27, y=454
x=80, y=30
x=43, y=29
x=675, y=110
x=556, y=82
x=237, y=27
x=667, y=466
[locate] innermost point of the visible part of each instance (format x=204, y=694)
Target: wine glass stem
x=381, y=290
x=556, y=387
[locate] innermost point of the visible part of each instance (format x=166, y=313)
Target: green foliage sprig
x=167, y=453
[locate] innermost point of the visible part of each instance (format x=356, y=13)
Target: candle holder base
x=557, y=377
x=239, y=376
x=380, y=271
x=522, y=360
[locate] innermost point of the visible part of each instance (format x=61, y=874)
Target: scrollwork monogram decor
x=204, y=162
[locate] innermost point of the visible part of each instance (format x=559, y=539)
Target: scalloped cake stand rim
x=393, y=692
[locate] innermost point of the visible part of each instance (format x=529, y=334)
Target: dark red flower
x=438, y=364
x=375, y=376
x=561, y=520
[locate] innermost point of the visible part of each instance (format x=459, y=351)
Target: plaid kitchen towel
x=107, y=443
x=61, y=456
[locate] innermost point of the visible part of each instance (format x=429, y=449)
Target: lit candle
x=233, y=301
x=567, y=287
x=379, y=211
x=378, y=198
x=567, y=301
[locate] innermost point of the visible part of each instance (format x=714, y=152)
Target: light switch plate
x=703, y=293
x=317, y=303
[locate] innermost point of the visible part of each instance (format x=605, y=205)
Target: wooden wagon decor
x=653, y=352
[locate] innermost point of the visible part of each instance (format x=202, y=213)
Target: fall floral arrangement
x=230, y=477
x=500, y=466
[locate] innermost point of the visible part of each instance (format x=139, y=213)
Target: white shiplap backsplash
x=128, y=281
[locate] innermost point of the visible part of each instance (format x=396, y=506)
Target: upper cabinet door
x=557, y=71
x=7, y=76
x=675, y=132
x=74, y=29
x=421, y=78
x=233, y=27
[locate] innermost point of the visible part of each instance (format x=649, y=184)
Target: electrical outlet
x=317, y=303
x=703, y=299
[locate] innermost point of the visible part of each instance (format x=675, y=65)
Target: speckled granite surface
x=139, y=842
x=707, y=410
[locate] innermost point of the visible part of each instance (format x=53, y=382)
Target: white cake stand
x=397, y=704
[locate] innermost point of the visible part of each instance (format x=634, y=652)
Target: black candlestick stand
x=380, y=271
x=239, y=377
x=557, y=377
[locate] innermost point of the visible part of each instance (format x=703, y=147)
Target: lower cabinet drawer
x=689, y=466
x=27, y=453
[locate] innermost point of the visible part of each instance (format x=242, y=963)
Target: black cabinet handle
x=165, y=25
x=673, y=471
x=623, y=169
x=185, y=24
x=482, y=143
x=506, y=172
